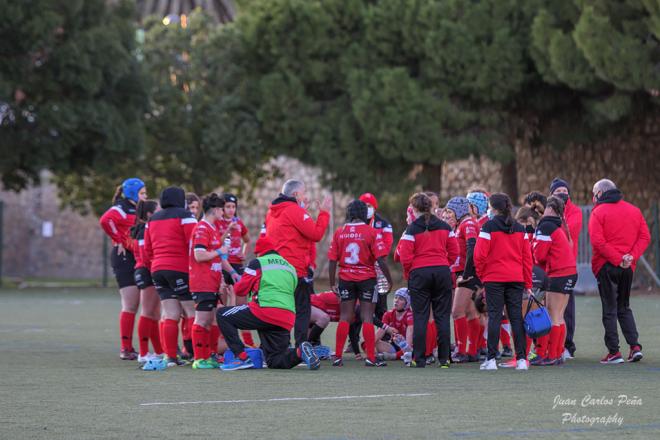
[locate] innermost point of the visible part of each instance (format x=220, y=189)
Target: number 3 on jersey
x=353, y=249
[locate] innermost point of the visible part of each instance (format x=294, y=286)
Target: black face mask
x=529, y=229
x=563, y=197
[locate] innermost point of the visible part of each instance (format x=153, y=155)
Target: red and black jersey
x=482, y=221
x=167, y=234
x=117, y=222
x=503, y=254
x=205, y=276
x=400, y=323
x=293, y=231
x=616, y=228
x=385, y=228
x=249, y=284
x=425, y=245
x=356, y=247
x=236, y=237
x=328, y=302
x=466, y=233
x=552, y=250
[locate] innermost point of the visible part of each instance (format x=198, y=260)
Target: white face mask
x=370, y=212
x=490, y=214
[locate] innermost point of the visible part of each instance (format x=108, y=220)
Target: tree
x=373, y=92
x=71, y=92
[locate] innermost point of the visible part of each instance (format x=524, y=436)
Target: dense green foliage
x=378, y=93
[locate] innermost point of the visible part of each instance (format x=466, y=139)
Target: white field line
x=288, y=399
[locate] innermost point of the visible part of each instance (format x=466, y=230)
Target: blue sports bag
x=537, y=322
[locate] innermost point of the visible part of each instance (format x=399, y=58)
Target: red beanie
x=369, y=199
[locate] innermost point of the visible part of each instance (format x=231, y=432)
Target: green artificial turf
x=61, y=378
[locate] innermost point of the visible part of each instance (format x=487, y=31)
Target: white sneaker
x=489, y=364
x=566, y=355
x=143, y=359
x=522, y=364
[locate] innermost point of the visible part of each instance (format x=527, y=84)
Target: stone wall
x=459, y=176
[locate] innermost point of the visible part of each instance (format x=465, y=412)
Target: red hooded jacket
x=503, y=256
x=573, y=218
x=616, y=228
x=552, y=250
x=117, y=222
x=293, y=232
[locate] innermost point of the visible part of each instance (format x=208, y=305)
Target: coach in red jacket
x=619, y=236
x=573, y=219
x=293, y=231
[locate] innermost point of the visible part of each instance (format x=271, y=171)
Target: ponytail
x=144, y=207
x=119, y=193
x=558, y=206
x=422, y=203
x=502, y=203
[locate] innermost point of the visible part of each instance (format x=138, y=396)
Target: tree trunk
x=432, y=180
x=510, y=179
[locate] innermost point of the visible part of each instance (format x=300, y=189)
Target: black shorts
x=473, y=284
x=171, y=284
x=362, y=290
x=143, y=278
x=227, y=276
x=562, y=284
x=123, y=267
x=205, y=301
x=539, y=278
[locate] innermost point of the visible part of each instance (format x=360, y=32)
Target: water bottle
x=402, y=343
x=382, y=286
x=227, y=243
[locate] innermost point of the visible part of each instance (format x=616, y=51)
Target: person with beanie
x=116, y=222
x=573, y=218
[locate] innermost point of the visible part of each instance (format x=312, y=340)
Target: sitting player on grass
x=395, y=337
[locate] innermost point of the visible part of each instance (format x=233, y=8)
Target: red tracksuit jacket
x=167, y=234
x=425, y=245
x=500, y=256
x=293, y=232
x=138, y=246
x=117, y=222
x=551, y=249
x=616, y=228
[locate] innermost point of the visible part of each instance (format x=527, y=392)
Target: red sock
x=247, y=338
x=504, y=333
x=431, y=338
x=155, y=336
x=171, y=337
x=473, y=335
x=144, y=331
x=200, y=337
x=455, y=334
x=340, y=338
x=399, y=354
x=214, y=335
x=529, y=344
x=187, y=333
x=126, y=323
x=161, y=333
x=461, y=334
x=555, y=333
x=562, y=339
x=370, y=340
x=542, y=346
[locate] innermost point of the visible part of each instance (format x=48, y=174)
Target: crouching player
x=270, y=280
x=395, y=336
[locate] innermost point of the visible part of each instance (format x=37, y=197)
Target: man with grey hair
x=294, y=233
x=619, y=236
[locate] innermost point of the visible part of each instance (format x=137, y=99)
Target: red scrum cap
x=263, y=245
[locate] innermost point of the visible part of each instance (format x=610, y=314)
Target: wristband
x=220, y=254
x=225, y=257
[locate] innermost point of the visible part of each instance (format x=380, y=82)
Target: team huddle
x=473, y=263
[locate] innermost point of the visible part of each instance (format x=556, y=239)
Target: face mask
x=529, y=229
x=563, y=197
x=490, y=214
x=302, y=204
x=370, y=212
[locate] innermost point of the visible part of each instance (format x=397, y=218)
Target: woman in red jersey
x=194, y=205
x=148, y=324
x=116, y=223
x=553, y=251
x=503, y=262
x=207, y=259
x=356, y=247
